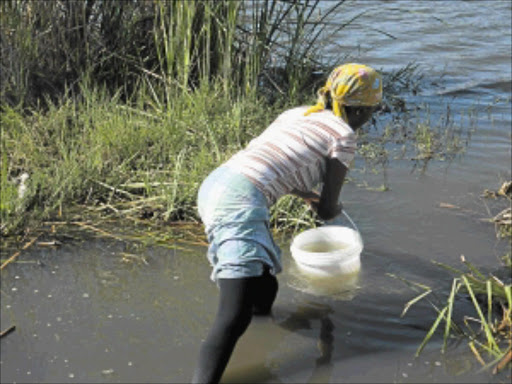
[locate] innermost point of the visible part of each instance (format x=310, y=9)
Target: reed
x=48, y=47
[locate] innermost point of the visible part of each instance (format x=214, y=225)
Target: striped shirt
x=291, y=153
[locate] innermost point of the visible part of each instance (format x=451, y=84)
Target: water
x=109, y=311
x=322, y=247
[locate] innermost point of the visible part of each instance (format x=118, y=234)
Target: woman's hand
x=324, y=214
x=311, y=198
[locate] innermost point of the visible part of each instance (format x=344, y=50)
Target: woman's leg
x=238, y=299
x=265, y=293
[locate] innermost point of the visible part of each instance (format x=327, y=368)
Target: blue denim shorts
x=236, y=218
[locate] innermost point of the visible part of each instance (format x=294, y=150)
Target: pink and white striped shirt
x=291, y=153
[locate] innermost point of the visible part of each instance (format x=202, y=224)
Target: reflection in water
x=339, y=287
x=275, y=346
x=255, y=373
x=301, y=319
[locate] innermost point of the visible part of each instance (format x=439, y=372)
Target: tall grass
x=49, y=46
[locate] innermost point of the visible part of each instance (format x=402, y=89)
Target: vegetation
x=124, y=107
x=489, y=334
x=127, y=106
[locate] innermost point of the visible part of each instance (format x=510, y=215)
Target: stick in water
x=7, y=331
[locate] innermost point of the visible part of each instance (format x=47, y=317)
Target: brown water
x=87, y=312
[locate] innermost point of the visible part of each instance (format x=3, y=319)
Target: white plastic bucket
x=328, y=250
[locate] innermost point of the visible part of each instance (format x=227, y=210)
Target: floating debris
x=53, y=243
x=504, y=217
x=16, y=254
x=107, y=372
x=507, y=359
x=7, y=331
x=503, y=223
x=506, y=189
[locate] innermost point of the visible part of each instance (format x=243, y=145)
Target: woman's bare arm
x=328, y=207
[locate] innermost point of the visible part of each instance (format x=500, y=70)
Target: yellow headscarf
x=349, y=84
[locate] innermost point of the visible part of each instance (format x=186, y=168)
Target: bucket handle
x=353, y=224
x=350, y=220
x=332, y=221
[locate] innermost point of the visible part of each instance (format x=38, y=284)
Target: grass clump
x=128, y=160
x=489, y=333
x=48, y=47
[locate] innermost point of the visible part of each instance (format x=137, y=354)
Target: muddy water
x=87, y=312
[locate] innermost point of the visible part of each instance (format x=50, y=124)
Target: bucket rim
x=300, y=237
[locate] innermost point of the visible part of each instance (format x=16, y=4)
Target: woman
x=300, y=149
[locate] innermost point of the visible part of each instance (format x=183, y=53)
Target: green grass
x=489, y=331
x=49, y=47
x=141, y=158
x=129, y=161
x=104, y=153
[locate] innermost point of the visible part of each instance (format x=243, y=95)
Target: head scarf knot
x=352, y=85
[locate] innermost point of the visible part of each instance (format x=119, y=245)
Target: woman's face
x=358, y=116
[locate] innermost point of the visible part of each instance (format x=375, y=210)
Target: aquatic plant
x=491, y=339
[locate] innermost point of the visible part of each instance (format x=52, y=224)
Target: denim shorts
x=236, y=218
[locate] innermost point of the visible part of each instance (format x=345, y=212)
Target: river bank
x=104, y=274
